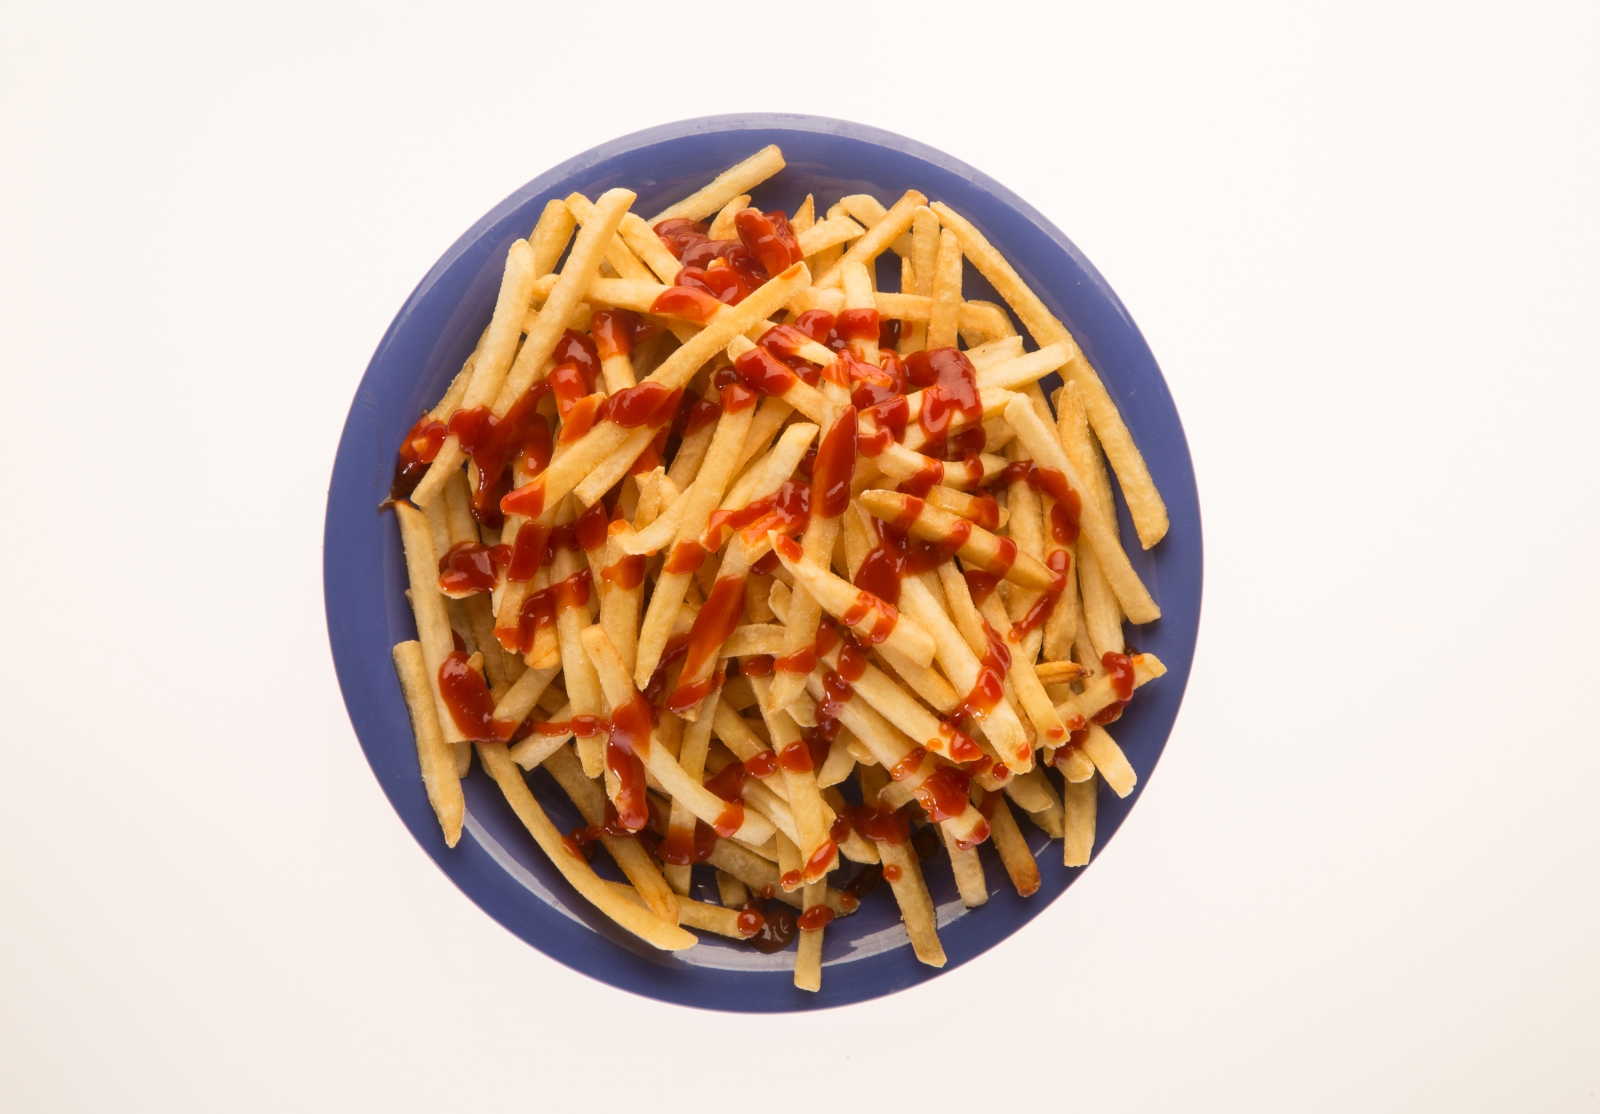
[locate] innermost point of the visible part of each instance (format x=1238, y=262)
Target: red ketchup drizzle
x=749, y=922
x=701, y=413
x=628, y=743
x=796, y=757
x=756, y=665
x=897, y=556
x=908, y=765
x=769, y=238
x=686, y=557
x=925, y=478
x=647, y=404
x=818, y=325
x=527, y=500
x=729, y=784
x=684, y=846
x=1074, y=742
x=857, y=325
x=539, y=610
x=531, y=548
x=786, y=510
x=835, y=463
x=989, y=687
x=626, y=574
x=417, y=451
x=891, y=874
x=944, y=793
x=761, y=371
x=590, y=531
x=762, y=764
x=674, y=651
x=777, y=929
x=881, y=824
x=883, y=615
x=815, y=918
x=618, y=331
x=468, y=699
x=950, y=388
x=687, y=302
x=713, y=624
x=821, y=859
x=469, y=567
x=1121, y=670
x=1042, y=607
x=494, y=442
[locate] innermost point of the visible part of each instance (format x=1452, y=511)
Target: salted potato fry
x=1078, y=799
x=635, y=918
x=1144, y=501
x=725, y=186
x=437, y=760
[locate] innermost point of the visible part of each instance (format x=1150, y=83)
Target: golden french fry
x=1013, y=848
x=434, y=756
x=1078, y=799
x=489, y=369
x=619, y=691
x=1047, y=451
x=725, y=186
x=636, y=919
x=1144, y=501
x=629, y=855
x=877, y=238
x=722, y=226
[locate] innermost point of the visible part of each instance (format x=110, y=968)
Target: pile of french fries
x=709, y=527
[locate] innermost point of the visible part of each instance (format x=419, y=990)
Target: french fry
x=733, y=893
x=1078, y=799
x=648, y=247
x=974, y=544
x=550, y=236
x=494, y=358
x=725, y=186
x=828, y=233
x=817, y=850
x=808, y=956
x=1144, y=501
x=722, y=226
x=804, y=216
x=946, y=293
x=628, y=853
x=1108, y=758
x=871, y=618
x=427, y=605
x=692, y=757
x=1101, y=612
x=434, y=756
x=876, y=239
x=968, y=871
x=904, y=875
x=707, y=806
x=635, y=918
x=618, y=254
x=1013, y=849
x=1047, y=451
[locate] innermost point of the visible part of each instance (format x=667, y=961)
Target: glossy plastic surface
x=497, y=864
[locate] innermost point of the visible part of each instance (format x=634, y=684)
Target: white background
x=1362, y=241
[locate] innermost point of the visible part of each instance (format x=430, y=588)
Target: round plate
x=497, y=863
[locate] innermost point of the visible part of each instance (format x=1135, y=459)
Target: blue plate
x=497, y=864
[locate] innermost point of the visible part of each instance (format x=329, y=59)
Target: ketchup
x=950, y=389
x=470, y=567
x=468, y=700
